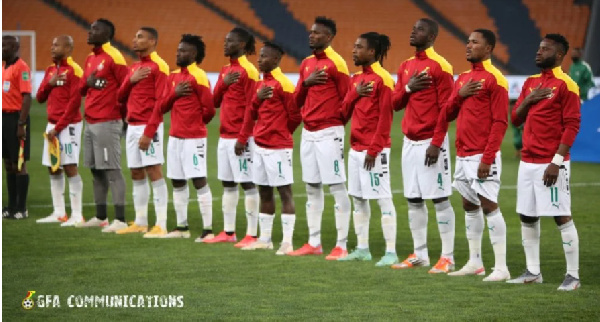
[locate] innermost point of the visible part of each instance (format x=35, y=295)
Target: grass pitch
x=219, y=282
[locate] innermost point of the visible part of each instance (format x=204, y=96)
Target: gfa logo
x=28, y=302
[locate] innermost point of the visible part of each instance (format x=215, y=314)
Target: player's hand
x=419, y=81
x=144, y=143
x=264, y=93
x=431, y=155
x=483, y=171
x=470, y=88
x=96, y=82
x=183, y=89
x=51, y=135
x=139, y=74
x=231, y=77
x=551, y=174
x=369, y=162
x=364, y=89
x=538, y=94
x=57, y=80
x=239, y=148
x=319, y=76
x=21, y=132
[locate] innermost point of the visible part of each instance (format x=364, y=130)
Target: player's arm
x=160, y=83
x=400, y=95
x=25, y=89
x=571, y=115
x=120, y=73
x=130, y=80
x=384, y=126
x=293, y=112
x=499, y=109
x=221, y=86
x=206, y=101
x=352, y=96
x=162, y=106
x=250, y=116
x=44, y=89
x=448, y=113
x=301, y=91
x=444, y=84
x=72, y=107
x=525, y=102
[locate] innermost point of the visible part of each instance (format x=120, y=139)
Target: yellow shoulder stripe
x=339, y=62
x=285, y=82
x=198, y=74
x=162, y=65
x=76, y=68
x=571, y=85
x=384, y=74
x=249, y=67
x=440, y=60
x=500, y=79
x=114, y=53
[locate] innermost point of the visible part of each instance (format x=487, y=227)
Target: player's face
x=546, y=55
x=233, y=44
x=477, y=47
x=8, y=47
x=419, y=35
x=361, y=54
x=142, y=41
x=576, y=54
x=186, y=54
x=319, y=37
x=268, y=59
x=59, y=49
x=95, y=33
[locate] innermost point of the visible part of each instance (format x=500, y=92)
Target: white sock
x=287, y=224
x=342, y=213
x=417, y=220
x=141, y=196
x=76, y=196
x=161, y=198
x=570, y=240
x=531, y=243
x=388, y=223
x=57, y=190
x=229, y=206
x=251, y=203
x=314, y=211
x=181, y=197
x=474, y=224
x=444, y=214
x=362, y=215
x=205, y=204
x=497, y=231
x=266, y=226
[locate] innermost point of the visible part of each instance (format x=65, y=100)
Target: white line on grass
x=302, y=195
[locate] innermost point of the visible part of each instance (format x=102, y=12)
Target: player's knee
x=228, y=184
x=178, y=183
x=138, y=174
x=527, y=219
x=154, y=172
x=266, y=193
x=469, y=206
x=247, y=186
x=70, y=170
x=55, y=172
x=561, y=220
x=414, y=200
x=199, y=183
x=440, y=200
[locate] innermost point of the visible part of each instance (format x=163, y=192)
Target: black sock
x=101, y=212
x=22, y=183
x=120, y=212
x=11, y=184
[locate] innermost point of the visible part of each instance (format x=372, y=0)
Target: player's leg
x=570, y=241
x=70, y=162
x=266, y=216
x=204, y=196
x=181, y=192
x=110, y=141
x=99, y=181
x=140, y=190
x=497, y=230
x=342, y=220
x=22, y=178
x=57, y=187
x=389, y=228
x=288, y=219
x=474, y=224
x=226, y=159
x=251, y=204
x=11, y=185
x=160, y=195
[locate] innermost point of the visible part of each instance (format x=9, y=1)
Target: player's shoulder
x=77, y=71
x=21, y=65
x=163, y=67
x=250, y=69
x=496, y=73
x=439, y=60
x=114, y=53
x=385, y=76
x=338, y=61
x=566, y=79
x=199, y=74
x=284, y=81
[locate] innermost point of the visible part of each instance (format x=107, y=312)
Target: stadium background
x=219, y=282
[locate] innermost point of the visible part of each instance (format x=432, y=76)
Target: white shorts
x=232, y=167
x=322, y=156
x=374, y=184
x=137, y=158
x=468, y=184
x=534, y=199
x=421, y=181
x=186, y=158
x=70, y=144
x=272, y=167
